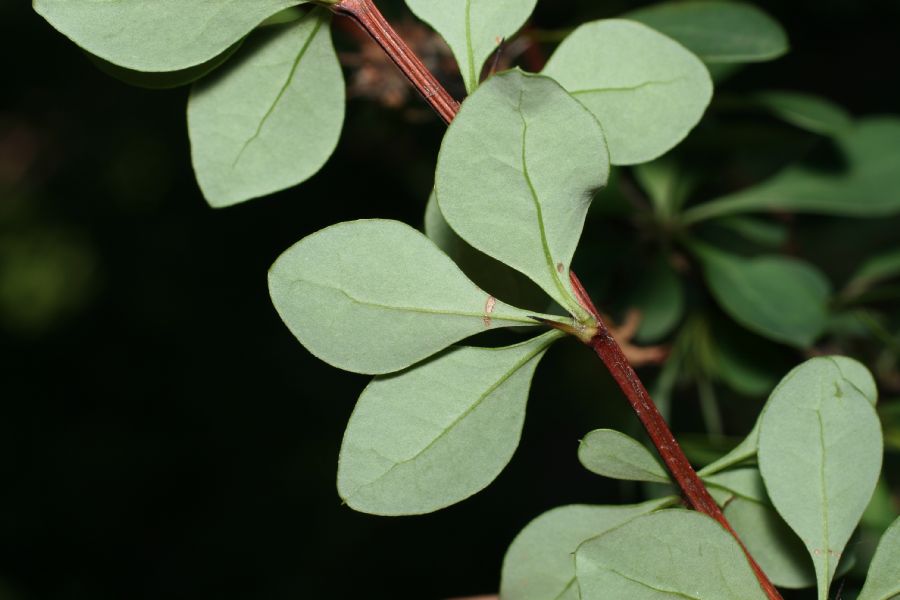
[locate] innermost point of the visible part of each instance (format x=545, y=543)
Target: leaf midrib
x=281, y=92
x=491, y=389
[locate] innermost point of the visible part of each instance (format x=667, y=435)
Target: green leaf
x=718, y=32
x=488, y=273
x=473, y=28
x=783, y=299
x=771, y=542
x=852, y=373
x=540, y=561
x=806, y=111
x=162, y=35
x=866, y=184
x=667, y=183
x=646, y=90
x=883, y=580
x=516, y=174
x=271, y=118
x=167, y=79
x=433, y=435
x=668, y=554
x=745, y=482
x=876, y=269
x=756, y=231
x=660, y=298
x=820, y=451
x=378, y=296
x=613, y=454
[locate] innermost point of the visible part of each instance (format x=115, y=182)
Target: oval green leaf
x=646, y=90
x=783, y=299
x=744, y=482
x=666, y=554
x=883, y=580
x=718, y=32
x=865, y=184
x=613, y=454
x=473, y=29
x=434, y=435
x=516, y=174
x=270, y=118
x=807, y=111
x=820, y=451
x=378, y=296
x=540, y=561
x=157, y=35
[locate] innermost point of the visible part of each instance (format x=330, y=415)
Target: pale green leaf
x=613, y=454
x=673, y=554
x=783, y=299
x=516, y=174
x=718, y=32
x=865, y=183
x=166, y=79
x=771, y=542
x=269, y=119
x=378, y=296
x=820, y=450
x=540, y=562
x=806, y=111
x=473, y=29
x=852, y=372
x=504, y=283
x=646, y=90
x=883, y=580
x=158, y=35
x=439, y=432
x=745, y=482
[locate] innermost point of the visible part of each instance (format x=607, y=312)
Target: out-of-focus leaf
x=613, y=454
x=270, y=118
x=665, y=554
x=782, y=298
x=162, y=35
x=666, y=182
x=762, y=233
x=718, y=32
x=378, y=296
x=473, y=28
x=540, y=561
x=883, y=581
x=439, y=432
x=875, y=270
x=820, y=456
x=806, y=111
x=516, y=174
x=867, y=185
x=647, y=91
x=660, y=298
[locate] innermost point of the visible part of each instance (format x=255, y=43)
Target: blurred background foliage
x=162, y=434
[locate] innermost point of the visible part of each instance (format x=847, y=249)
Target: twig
x=367, y=15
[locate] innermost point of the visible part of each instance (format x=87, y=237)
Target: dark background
x=161, y=432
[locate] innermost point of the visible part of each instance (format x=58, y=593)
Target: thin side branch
x=367, y=15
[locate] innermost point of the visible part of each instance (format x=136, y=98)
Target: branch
x=370, y=19
x=367, y=15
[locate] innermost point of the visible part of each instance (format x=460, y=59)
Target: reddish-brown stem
x=692, y=488
x=365, y=13
x=367, y=16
